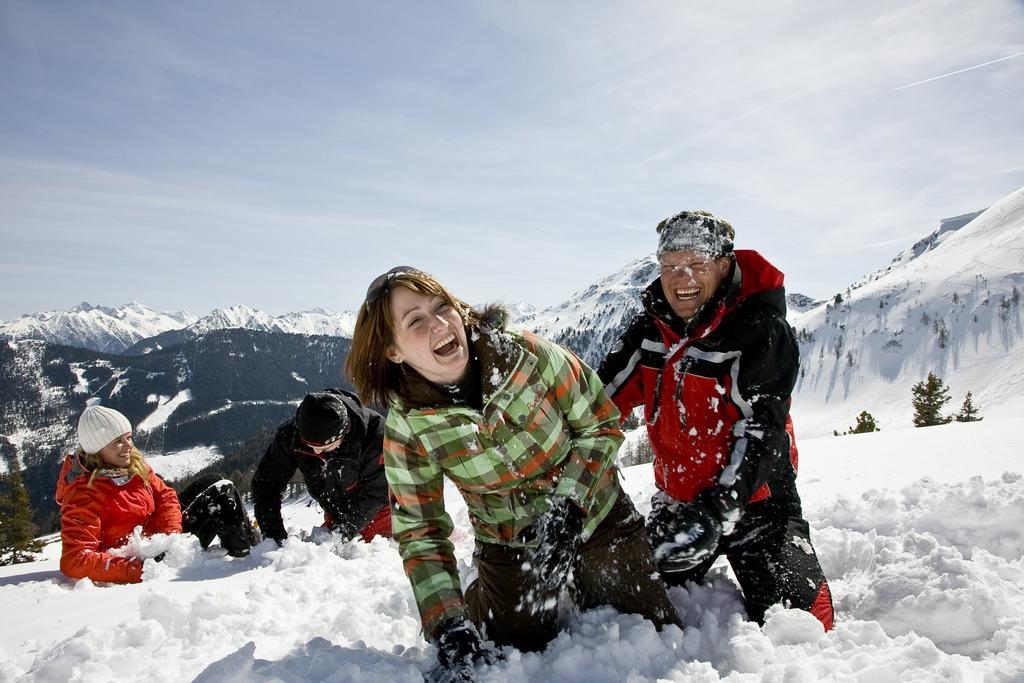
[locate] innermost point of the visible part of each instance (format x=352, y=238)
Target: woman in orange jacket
x=107, y=489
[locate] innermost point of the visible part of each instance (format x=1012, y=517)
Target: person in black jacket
x=336, y=443
x=714, y=362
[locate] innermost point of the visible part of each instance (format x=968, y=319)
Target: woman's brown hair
x=373, y=375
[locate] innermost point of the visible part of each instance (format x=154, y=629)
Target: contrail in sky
x=954, y=73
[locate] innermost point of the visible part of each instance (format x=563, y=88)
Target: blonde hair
x=136, y=465
x=368, y=366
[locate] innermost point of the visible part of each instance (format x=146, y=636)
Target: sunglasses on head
x=379, y=286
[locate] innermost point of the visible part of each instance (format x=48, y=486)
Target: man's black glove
x=459, y=649
x=558, y=532
x=683, y=535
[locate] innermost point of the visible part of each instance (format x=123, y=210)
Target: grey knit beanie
x=699, y=231
x=98, y=426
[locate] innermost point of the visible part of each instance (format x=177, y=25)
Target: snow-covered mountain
x=517, y=312
x=314, y=322
x=206, y=396
x=947, y=226
x=137, y=328
x=110, y=330
x=949, y=305
x=592, y=319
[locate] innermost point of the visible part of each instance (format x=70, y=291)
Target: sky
x=196, y=155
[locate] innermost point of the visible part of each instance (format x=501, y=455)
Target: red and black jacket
x=347, y=482
x=716, y=391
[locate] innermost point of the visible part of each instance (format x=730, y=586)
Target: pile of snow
x=918, y=530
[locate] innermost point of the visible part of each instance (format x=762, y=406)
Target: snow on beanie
x=698, y=231
x=98, y=426
x=322, y=418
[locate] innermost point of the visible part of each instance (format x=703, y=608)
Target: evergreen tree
x=929, y=398
x=865, y=424
x=644, y=451
x=969, y=411
x=632, y=421
x=17, y=533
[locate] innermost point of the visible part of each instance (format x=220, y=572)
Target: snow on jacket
x=546, y=428
x=347, y=482
x=96, y=517
x=716, y=392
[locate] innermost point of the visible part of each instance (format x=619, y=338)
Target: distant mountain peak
x=100, y=328
x=947, y=226
x=594, y=317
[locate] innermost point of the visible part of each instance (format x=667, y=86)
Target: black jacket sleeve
x=273, y=472
x=620, y=369
x=356, y=507
x=767, y=374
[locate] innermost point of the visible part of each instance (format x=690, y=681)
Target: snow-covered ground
x=918, y=530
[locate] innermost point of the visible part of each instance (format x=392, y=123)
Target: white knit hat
x=98, y=426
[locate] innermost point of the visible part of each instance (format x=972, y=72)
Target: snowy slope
x=593, y=318
x=923, y=548
x=99, y=328
x=946, y=227
x=952, y=309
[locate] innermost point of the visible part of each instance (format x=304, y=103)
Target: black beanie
x=322, y=418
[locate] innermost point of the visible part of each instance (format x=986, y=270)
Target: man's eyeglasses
x=379, y=286
x=695, y=267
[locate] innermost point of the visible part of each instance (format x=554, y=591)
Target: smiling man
x=336, y=442
x=713, y=361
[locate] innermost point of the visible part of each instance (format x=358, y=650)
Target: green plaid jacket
x=547, y=428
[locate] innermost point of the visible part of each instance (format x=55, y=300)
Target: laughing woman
x=106, y=489
x=526, y=433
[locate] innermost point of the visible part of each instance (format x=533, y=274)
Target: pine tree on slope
x=930, y=396
x=17, y=533
x=968, y=411
x=865, y=424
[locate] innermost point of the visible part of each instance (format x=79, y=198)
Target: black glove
x=558, y=532
x=460, y=648
x=683, y=535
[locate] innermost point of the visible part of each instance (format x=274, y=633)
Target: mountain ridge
x=135, y=328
